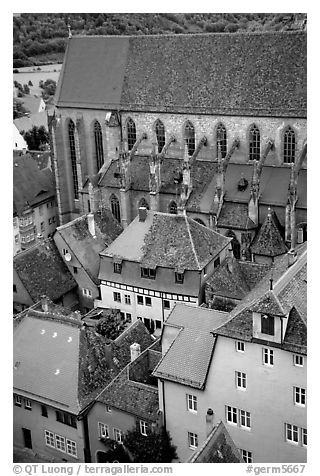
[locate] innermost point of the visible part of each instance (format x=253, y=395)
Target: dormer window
x=148, y=273
x=117, y=268
x=179, y=278
x=267, y=324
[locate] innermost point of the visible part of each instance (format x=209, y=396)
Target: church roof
x=260, y=74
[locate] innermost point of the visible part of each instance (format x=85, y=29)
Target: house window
x=117, y=268
x=144, y=428
x=73, y=157
x=14, y=288
x=117, y=434
x=222, y=140
x=140, y=300
x=27, y=404
x=239, y=346
x=42, y=228
x=49, y=438
x=267, y=356
x=289, y=146
x=131, y=133
x=232, y=415
x=18, y=400
x=192, y=404
x=190, y=137
x=127, y=299
x=98, y=145
x=304, y=436
x=128, y=317
x=173, y=208
x=216, y=262
x=179, y=277
x=192, y=440
x=241, y=380
x=148, y=273
x=86, y=292
x=117, y=297
x=44, y=411
x=246, y=456
x=148, y=301
x=299, y=396
x=166, y=304
x=115, y=207
x=103, y=431
x=66, y=418
x=292, y=433
x=267, y=324
x=71, y=447
x=254, y=143
x=158, y=324
x=245, y=419
x=160, y=134
x=298, y=360
x=60, y=443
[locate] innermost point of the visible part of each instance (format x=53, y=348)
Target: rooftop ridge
x=191, y=240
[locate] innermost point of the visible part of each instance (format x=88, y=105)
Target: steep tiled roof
x=217, y=448
x=188, y=73
x=31, y=186
x=289, y=292
x=172, y=241
x=235, y=279
x=268, y=241
x=235, y=215
x=82, y=244
x=139, y=399
x=190, y=368
x=43, y=272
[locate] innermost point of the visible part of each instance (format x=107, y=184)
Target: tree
x=154, y=448
x=18, y=109
x=36, y=138
x=30, y=82
x=26, y=89
x=111, y=324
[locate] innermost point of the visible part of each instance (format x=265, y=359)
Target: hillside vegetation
x=40, y=38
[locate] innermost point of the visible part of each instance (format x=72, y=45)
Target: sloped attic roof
x=268, y=241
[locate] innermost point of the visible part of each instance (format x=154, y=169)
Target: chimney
x=142, y=214
x=91, y=225
x=292, y=257
x=45, y=303
x=209, y=421
x=135, y=351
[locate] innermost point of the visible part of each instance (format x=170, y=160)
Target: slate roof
x=235, y=279
x=130, y=396
x=31, y=186
x=235, y=215
x=172, y=241
x=260, y=74
x=195, y=326
x=82, y=244
x=59, y=359
x=217, y=448
x=269, y=241
x=289, y=292
x=43, y=271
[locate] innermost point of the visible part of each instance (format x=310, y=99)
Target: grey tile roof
x=217, y=448
x=264, y=74
x=269, y=241
x=86, y=248
x=195, y=325
x=43, y=271
x=235, y=215
x=172, y=241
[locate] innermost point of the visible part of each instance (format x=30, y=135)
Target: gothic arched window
x=173, y=208
x=98, y=144
x=160, y=133
x=115, y=207
x=131, y=133
x=190, y=137
x=143, y=203
x=289, y=146
x=254, y=143
x=222, y=140
x=73, y=157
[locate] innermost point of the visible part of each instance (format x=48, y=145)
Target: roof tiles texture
x=264, y=74
x=269, y=241
x=43, y=272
